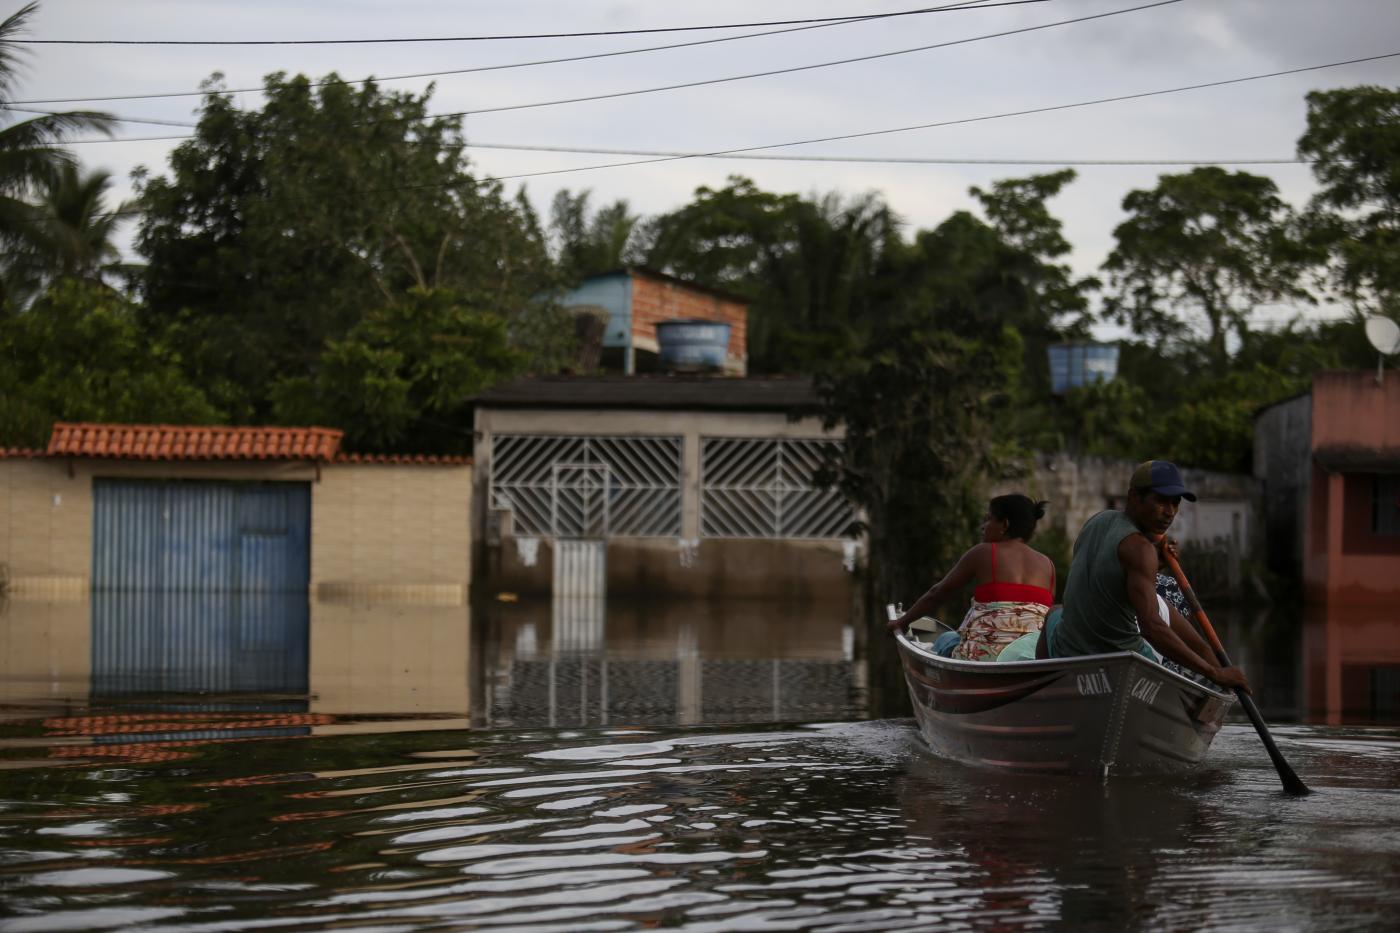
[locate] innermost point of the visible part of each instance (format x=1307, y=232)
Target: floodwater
x=610, y=767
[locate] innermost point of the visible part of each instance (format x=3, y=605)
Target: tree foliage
x=1198, y=253
x=79, y=354
x=279, y=229
x=1354, y=136
x=592, y=242
x=403, y=376
x=31, y=156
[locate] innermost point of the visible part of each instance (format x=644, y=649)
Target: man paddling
x=1111, y=599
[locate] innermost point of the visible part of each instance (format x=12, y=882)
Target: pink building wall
x=1355, y=437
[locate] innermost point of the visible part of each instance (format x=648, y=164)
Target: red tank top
x=994, y=592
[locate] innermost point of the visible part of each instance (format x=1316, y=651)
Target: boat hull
x=1101, y=714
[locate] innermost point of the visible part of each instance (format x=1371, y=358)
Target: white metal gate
x=580, y=585
x=579, y=500
x=588, y=485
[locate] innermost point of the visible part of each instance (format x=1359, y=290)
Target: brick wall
x=657, y=299
x=386, y=532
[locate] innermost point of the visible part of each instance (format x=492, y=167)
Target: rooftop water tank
x=1081, y=363
x=692, y=344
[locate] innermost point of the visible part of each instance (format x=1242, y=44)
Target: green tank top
x=1098, y=617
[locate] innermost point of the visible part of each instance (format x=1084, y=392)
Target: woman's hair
x=1019, y=512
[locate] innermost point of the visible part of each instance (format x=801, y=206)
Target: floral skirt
x=989, y=627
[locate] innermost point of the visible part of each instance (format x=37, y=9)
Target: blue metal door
x=200, y=536
x=200, y=586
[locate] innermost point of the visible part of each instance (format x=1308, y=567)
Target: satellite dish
x=1384, y=334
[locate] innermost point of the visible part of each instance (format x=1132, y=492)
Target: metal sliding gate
x=200, y=586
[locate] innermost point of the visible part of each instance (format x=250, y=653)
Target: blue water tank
x=1080, y=363
x=692, y=343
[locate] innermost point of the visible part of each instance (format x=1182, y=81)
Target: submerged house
x=194, y=559
x=683, y=484
x=1330, y=463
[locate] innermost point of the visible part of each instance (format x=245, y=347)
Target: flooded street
x=652, y=766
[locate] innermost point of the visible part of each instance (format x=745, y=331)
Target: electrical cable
x=731, y=78
x=958, y=122
x=903, y=129
x=966, y=5
x=768, y=157
x=504, y=67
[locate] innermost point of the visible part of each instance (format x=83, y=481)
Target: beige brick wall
x=389, y=658
x=45, y=649
x=389, y=532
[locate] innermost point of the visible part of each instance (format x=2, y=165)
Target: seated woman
x=1015, y=584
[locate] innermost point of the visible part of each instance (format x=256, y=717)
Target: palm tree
x=31, y=154
x=73, y=230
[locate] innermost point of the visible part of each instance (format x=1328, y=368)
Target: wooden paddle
x=1292, y=784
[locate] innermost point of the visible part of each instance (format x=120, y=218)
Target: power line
x=812, y=67
x=512, y=65
x=718, y=153
x=731, y=78
x=879, y=160
x=961, y=121
x=768, y=157
x=889, y=160
x=967, y=5
x=487, y=67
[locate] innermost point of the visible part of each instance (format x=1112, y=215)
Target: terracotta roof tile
x=192, y=442
x=19, y=453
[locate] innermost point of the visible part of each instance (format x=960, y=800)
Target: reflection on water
x=1352, y=664
x=579, y=662
x=839, y=827
x=613, y=788
x=187, y=642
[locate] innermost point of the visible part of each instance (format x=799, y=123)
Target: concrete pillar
x=690, y=485
x=689, y=690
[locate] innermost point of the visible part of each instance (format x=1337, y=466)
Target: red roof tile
x=192, y=442
x=19, y=453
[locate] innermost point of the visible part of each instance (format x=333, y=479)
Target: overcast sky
x=1167, y=46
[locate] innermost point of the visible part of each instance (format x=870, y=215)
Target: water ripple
x=845, y=827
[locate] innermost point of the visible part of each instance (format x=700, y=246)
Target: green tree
x=1212, y=425
x=977, y=277
x=31, y=155
x=78, y=354
x=1198, y=253
x=1354, y=136
x=74, y=232
x=279, y=229
x=1107, y=419
x=596, y=242
x=1016, y=209
x=402, y=377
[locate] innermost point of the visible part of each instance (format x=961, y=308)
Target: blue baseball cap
x=1162, y=477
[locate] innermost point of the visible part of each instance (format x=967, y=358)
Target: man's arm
x=962, y=573
x=1188, y=634
x=1139, y=560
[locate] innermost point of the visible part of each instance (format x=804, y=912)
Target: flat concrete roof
x=656, y=393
